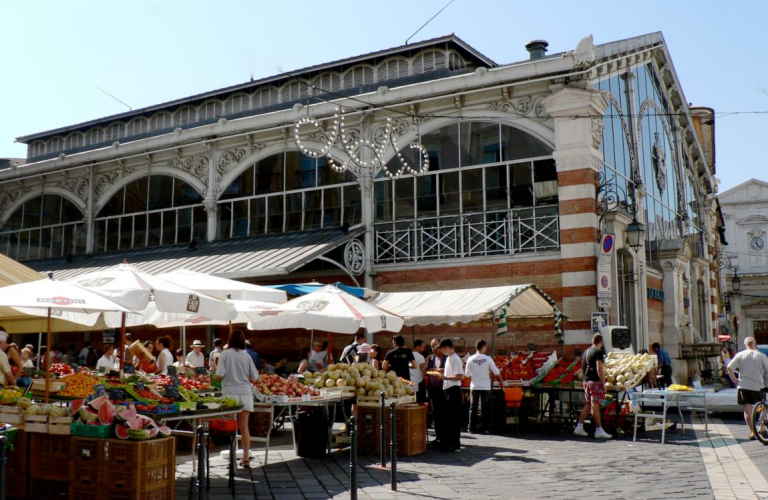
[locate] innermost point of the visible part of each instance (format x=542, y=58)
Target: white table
x=667, y=399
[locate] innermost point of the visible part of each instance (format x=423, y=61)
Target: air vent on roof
x=537, y=48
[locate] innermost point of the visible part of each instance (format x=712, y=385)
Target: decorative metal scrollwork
x=354, y=257
x=611, y=197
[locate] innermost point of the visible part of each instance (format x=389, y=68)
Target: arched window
x=490, y=189
x=151, y=211
x=44, y=227
x=287, y=192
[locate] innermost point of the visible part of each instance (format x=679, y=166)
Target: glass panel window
x=34, y=244
x=200, y=221
x=100, y=236
x=160, y=192
x=57, y=235
x=113, y=234
x=327, y=176
x=69, y=234
x=240, y=218
x=15, y=221
x=353, y=208
x=443, y=148
x=126, y=232
x=479, y=143
x=313, y=209
x=23, y=245
x=184, y=194
x=225, y=221
x=241, y=187
x=518, y=145
x=136, y=196
x=332, y=207
x=51, y=210
x=32, y=211
x=258, y=216
x=521, y=185
x=449, y=193
x=154, y=227
x=496, y=188
x=81, y=239
x=140, y=231
x=275, y=214
x=269, y=174
x=184, y=227
x=545, y=181
x=169, y=227
x=293, y=212
x=472, y=190
x=70, y=212
x=426, y=196
x=113, y=206
x=404, y=202
x=383, y=194
x=300, y=171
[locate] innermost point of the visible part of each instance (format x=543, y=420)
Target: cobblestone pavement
x=532, y=466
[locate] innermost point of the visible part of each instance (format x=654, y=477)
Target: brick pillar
x=578, y=115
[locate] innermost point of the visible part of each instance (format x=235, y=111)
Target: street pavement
x=535, y=465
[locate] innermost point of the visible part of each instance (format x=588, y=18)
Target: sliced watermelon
x=148, y=422
x=153, y=432
x=75, y=406
x=138, y=434
x=121, y=432
x=135, y=423
x=164, y=430
x=129, y=413
x=107, y=413
x=87, y=414
x=98, y=402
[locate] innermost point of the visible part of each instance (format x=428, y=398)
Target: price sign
x=117, y=394
x=140, y=385
x=99, y=390
x=172, y=392
x=129, y=370
x=200, y=370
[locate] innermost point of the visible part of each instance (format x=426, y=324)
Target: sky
x=54, y=55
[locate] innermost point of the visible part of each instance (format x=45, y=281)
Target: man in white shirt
x=108, y=361
x=753, y=378
x=417, y=374
x=213, y=358
x=452, y=376
x=479, y=369
x=196, y=358
x=318, y=360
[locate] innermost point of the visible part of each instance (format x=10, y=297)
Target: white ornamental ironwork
x=354, y=257
x=353, y=147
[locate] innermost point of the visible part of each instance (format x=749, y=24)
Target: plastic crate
x=162, y=409
x=45, y=444
x=88, y=450
x=16, y=468
x=48, y=490
x=166, y=493
x=260, y=421
x=146, y=478
x=86, y=474
x=93, y=431
x=131, y=453
x=222, y=425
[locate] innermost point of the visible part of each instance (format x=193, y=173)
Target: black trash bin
x=310, y=434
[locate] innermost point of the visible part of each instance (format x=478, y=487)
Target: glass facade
x=152, y=211
x=288, y=192
x=490, y=189
x=44, y=227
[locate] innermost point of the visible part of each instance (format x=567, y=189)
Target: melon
x=153, y=432
x=129, y=413
x=165, y=431
x=87, y=414
x=97, y=403
x=138, y=434
x=75, y=405
x=107, y=413
x=135, y=423
x=121, y=432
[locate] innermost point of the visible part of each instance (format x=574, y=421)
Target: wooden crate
x=411, y=429
x=164, y=493
x=16, y=468
x=48, y=490
x=260, y=421
x=48, y=454
x=133, y=453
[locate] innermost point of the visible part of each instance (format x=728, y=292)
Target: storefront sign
x=655, y=294
x=604, y=264
x=693, y=351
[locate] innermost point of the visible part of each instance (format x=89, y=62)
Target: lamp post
x=635, y=234
x=736, y=281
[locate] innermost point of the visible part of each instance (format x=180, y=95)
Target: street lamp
x=635, y=234
x=736, y=281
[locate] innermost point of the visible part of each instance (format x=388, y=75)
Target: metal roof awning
x=259, y=256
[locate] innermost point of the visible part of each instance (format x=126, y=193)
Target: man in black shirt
x=349, y=352
x=594, y=387
x=400, y=359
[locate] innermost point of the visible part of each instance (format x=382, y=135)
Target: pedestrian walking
x=752, y=380
x=665, y=365
x=452, y=376
x=481, y=369
x=594, y=387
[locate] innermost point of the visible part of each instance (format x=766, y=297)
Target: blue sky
x=53, y=55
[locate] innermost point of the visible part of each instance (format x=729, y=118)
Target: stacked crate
x=411, y=427
x=48, y=471
x=16, y=468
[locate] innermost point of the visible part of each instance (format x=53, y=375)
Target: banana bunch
x=678, y=387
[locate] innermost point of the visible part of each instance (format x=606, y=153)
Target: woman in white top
x=26, y=361
x=165, y=358
x=108, y=360
x=237, y=373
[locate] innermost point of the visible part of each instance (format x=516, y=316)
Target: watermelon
x=97, y=403
x=75, y=405
x=165, y=431
x=107, y=413
x=121, y=432
x=138, y=434
x=153, y=432
x=135, y=423
x=87, y=414
x=129, y=413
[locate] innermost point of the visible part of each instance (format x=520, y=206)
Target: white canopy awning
x=468, y=305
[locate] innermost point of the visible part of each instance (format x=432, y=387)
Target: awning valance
x=469, y=304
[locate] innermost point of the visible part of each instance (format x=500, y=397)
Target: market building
x=421, y=167
x=745, y=260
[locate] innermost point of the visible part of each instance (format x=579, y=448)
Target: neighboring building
x=745, y=209
x=217, y=182
x=11, y=162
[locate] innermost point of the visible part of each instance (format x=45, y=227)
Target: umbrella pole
x=493, y=336
x=48, y=368
x=184, y=342
x=122, y=346
x=330, y=348
x=39, y=345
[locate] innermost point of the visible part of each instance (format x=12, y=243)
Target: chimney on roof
x=537, y=48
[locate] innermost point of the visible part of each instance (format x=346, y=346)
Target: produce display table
x=564, y=404
x=666, y=399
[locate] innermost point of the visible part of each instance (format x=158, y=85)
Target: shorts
x=747, y=397
x=594, y=392
x=245, y=399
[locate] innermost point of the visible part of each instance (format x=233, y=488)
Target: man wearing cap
x=196, y=358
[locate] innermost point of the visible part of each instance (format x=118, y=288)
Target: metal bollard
x=393, y=446
x=383, y=427
x=353, y=458
x=3, y=460
x=201, y=478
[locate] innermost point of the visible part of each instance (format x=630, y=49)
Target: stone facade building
x=460, y=172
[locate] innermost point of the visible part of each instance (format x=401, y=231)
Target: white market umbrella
x=131, y=287
x=332, y=310
x=50, y=295
x=223, y=287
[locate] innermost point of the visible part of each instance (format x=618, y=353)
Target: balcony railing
x=493, y=233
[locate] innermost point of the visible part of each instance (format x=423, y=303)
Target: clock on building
x=757, y=244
